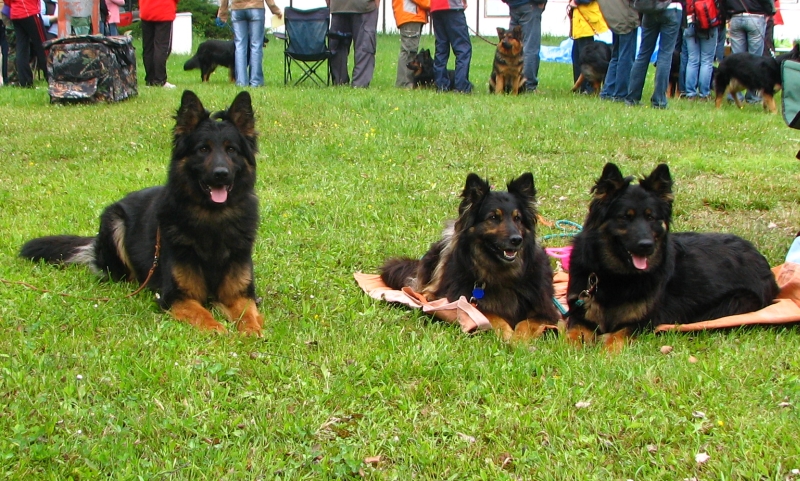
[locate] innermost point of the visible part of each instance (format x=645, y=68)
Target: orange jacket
x=411, y=11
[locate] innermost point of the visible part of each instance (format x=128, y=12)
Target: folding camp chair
x=306, y=45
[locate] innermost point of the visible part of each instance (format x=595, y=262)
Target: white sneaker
x=168, y=85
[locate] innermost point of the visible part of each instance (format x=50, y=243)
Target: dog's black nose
x=221, y=174
x=645, y=245
x=515, y=240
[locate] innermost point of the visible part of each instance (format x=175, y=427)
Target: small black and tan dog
x=507, y=76
x=594, y=60
x=490, y=255
x=629, y=272
x=745, y=71
x=210, y=55
x=190, y=240
x=422, y=69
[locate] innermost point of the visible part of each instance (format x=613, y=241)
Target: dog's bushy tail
x=60, y=249
x=192, y=63
x=399, y=272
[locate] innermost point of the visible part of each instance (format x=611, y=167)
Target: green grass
x=346, y=178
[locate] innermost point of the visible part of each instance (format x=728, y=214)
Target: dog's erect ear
x=659, y=182
x=474, y=191
x=523, y=187
x=610, y=182
x=241, y=114
x=517, y=32
x=190, y=113
x=501, y=32
x=426, y=53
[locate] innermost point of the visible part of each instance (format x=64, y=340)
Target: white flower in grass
x=701, y=458
x=79, y=377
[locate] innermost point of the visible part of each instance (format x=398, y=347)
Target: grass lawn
x=342, y=386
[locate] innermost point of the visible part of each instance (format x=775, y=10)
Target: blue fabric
x=662, y=27
x=623, y=53
x=450, y=30
x=248, y=37
x=701, y=48
x=529, y=17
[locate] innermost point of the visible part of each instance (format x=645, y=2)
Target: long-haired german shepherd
x=741, y=71
x=594, y=60
x=422, y=71
x=628, y=271
x=200, y=226
x=507, y=74
x=212, y=54
x=489, y=255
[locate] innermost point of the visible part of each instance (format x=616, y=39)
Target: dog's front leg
x=500, y=84
x=615, y=341
x=192, y=312
x=244, y=313
x=531, y=329
x=501, y=327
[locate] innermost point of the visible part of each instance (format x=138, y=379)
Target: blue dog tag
x=477, y=292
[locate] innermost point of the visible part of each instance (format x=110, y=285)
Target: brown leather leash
x=100, y=299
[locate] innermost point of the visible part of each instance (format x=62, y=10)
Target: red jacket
x=447, y=5
x=157, y=10
x=23, y=8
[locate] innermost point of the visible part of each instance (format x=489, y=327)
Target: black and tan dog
x=507, y=76
x=212, y=54
x=594, y=60
x=200, y=226
x=745, y=71
x=422, y=70
x=628, y=271
x=489, y=255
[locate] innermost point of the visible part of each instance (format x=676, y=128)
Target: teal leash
x=570, y=229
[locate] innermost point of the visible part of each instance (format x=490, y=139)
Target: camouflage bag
x=91, y=68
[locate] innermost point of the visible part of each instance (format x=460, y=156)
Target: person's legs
x=241, y=39
x=529, y=17
x=30, y=36
x=365, y=32
x=3, y=53
x=442, y=53
x=409, y=45
x=684, y=62
x=737, y=35
x=627, y=55
x=255, y=28
x=708, y=46
x=462, y=49
x=162, y=46
x=609, y=83
x=692, y=46
x=754, y=27
x=342, y=30
x=722, y=32
x=671, y=19
x=148, y=32
x=650, y=28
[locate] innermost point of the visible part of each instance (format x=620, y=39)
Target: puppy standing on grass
x=628, y=272
x=200, y=226
x=489, y=255
x=508, y=62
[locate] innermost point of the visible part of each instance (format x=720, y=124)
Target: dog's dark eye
x=204, y=149
x=494, y=216
x=517, y=218
x=230, y=150
x=649, y=217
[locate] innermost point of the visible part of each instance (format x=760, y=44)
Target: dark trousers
x=30, y=36
x=4, y=53
x=579, y=44
x=156, y=47
x=450, y=30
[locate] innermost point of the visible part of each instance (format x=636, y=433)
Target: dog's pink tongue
x=639, y=262
x=219, y=194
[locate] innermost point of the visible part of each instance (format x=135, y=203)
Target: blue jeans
x=450, y=29
x=722, y=31
x=664, y=25
x=747, y=35
x=529, y=17
x=248, y=36
x=702, y=47
x=623, y=53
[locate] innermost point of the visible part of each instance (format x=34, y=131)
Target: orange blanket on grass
x=785, y=309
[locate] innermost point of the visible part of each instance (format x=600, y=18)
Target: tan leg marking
x=192, y=312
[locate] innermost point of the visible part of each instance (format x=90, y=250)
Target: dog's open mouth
x=219, y=194
x=639, y=262
x=509, y=255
